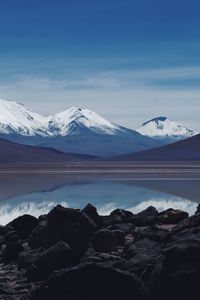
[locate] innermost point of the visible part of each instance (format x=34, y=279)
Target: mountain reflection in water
x=37, y=194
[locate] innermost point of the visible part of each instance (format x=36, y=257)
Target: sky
x=128, y=60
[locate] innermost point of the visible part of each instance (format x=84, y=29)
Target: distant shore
x=146, y=170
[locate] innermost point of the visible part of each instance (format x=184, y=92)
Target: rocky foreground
x=79, y=255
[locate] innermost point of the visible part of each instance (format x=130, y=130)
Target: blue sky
x=127, y=60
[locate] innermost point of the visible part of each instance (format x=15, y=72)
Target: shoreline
x=145, y=171
x=48, y=257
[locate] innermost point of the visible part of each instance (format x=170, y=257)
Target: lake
x=36, y=194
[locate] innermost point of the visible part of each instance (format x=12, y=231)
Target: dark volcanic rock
x=70, y=226
x=111, y=220
x=24, y=225
x=69, y=259
x=54, y=258
x=198, y=209
x=5, y=230
x=12, y=251
x=124, y=214
x=126, y=227
x=92, y=213
x=104, y=240
x=146, y=217
x=193, y=221
x=141, y=255
x=38, y=237
x=91, y=281
x=67, y=225
x=171, y=216
x=26, y=258
x=151, y=232
x=120, y=236
x=11, y=237
x=179, y=268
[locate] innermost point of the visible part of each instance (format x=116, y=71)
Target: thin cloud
x=127, y=97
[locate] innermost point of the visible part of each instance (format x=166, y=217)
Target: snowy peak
x=15, y=118
x=76, y=118
x=162, y=127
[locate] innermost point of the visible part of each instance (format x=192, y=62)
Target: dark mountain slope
x=186, y=150
x=11, y=152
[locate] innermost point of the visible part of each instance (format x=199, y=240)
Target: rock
x=127, y=228
x=92, y=213
x=64, y=224
x=54, y=258
x=38, y=237
x=124, y=214
x=12, y=251
x=178, y=270
x=198, y=209
x=92, y=281
x=151, y=232
x=42, y=218
x=171, y=216
x=120, y=236
x=26, y=258
x=111, y=220
x=11, y=237
x=24, y=225
x=146, y=217
x=5, y=230
x=141, y=254
x=104, y=240
x=191, y=222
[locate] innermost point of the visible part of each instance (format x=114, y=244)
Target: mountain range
x=82, y=131
x=76, y=130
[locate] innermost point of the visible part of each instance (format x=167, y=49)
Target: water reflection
x=36, y=195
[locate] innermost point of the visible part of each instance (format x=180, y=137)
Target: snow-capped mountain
x=165, y=129
x=79, y=130
x=75, y=130
x=73, y=120
x=15, y=118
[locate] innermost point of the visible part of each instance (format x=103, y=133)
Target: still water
x=37, y=194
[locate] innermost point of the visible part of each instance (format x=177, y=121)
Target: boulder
x=126, y=227
x=64, y=224
x=92, y=213
x=124, y=214
x=91, y=281
x=11, y=237
x=54, y=258
x=146, y=217
x=171, y=216
x=38, y=237
x=151, y=232
x=5, y=230
x=190, y=222
x=11, y=252
x=198, y=209
x=24, y=225
x=141, y=255
x=178, y=270
x=104, y=240
x=26, y=258
x=120, y=237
